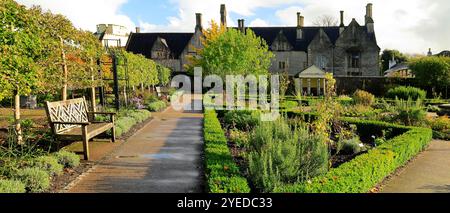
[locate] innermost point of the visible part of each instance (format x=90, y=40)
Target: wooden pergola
x=312, y=81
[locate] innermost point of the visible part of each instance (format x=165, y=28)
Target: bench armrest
x=72, y=123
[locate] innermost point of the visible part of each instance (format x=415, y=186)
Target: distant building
x=342, y=50
x=398, y=70
x=112, y=35
x=445, y=53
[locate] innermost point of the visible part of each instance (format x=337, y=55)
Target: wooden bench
x=71, y=121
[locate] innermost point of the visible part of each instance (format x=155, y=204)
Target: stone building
x=344, y=50
x=112, y=35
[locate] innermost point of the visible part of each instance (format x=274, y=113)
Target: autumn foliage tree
x=20, y=49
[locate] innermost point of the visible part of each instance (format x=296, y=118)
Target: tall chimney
x=198, y=25
x=369, y=10
x=138, y=30
x=369, y=19
x=342, y=25
x=300, y=25
x=241, y=25
x=223, y=15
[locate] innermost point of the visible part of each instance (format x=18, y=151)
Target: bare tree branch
x=325, y=21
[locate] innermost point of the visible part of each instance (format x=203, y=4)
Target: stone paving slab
x=163, y=157
x=429, y=172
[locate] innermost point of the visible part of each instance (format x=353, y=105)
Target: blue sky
x=410, y=26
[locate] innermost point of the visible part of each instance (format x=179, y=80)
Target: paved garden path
x=163, y=157
x=428, y=173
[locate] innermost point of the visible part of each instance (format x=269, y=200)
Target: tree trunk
x=93, y=87
x=64, y=67
x=149, y=88
x=17, y=126
x=142, y=87
x=125, y=95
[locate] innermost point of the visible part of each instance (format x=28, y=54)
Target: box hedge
x=365, y=171
x=222, y=173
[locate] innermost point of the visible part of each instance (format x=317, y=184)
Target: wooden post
x=116, y=83
x=85, y=142
x=113, y=139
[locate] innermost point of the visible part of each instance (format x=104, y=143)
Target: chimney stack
x=300, y=25
x=223, y=15
x=138, y=30
x=342, y=25
x=369, y=10
x=198, y=26
x=241, y=25
x=369, y=19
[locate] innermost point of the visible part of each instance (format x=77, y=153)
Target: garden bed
x=390, y=147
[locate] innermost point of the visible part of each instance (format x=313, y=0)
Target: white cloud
x=258, y=23
x=86, y=14
x=408, y=25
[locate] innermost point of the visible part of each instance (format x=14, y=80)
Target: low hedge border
x=365, y=171
x=222, y=173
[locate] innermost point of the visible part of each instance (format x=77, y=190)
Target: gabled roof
x=270, y=33
x=312, y=72
x=397, y=67
x=142, y=43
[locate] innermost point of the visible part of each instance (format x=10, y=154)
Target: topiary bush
x=35, y=179
x=157, y=106
x=364, y=98
x=12, y=186
x=67, y=159
x=49, y=164
x=405, y=93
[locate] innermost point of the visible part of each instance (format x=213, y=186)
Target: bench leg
x=113, y=135
x=85, y=143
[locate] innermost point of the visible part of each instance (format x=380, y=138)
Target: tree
x=433, y=72
x=387, y=56
x=20, y=48
x=163, y=75
x=233, y=52
x=325, y=21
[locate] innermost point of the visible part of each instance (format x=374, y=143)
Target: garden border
x=364, y=172
x=222, y=173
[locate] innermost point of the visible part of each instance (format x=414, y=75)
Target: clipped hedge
x=365, y=171
x=222, y=173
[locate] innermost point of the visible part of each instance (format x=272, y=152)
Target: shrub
x=222, y=173
x=49, y=164
x=363, y=98
x=289, y=104
x=140, y=115
x=242, y=119
x=351, y=146
x=281, y=156
x=409, y=113
x=240, y=138
x=67, y=159
x=157, y=106
x=125, y=124
x=406, y=93
x=365, y=171
x=35, y=179
x=440, y=124
x=12, y=186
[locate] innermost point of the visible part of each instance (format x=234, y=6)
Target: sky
x=411, y=26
